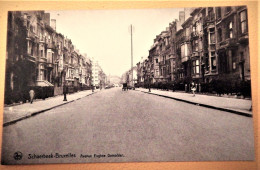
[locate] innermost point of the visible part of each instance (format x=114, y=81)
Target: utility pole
x=132, y=55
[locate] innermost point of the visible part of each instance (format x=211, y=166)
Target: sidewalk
x=233, y=105
x=16, y=113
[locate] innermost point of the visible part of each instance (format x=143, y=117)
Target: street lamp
x=131, y=29
x=147, y=74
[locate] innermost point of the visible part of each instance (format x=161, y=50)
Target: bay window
x=243, y=22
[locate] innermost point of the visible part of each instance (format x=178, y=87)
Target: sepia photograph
x=128, y=85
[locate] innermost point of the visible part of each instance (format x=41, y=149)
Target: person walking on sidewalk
x=193, y=88
x=65, y=91
x=31, y=93
x=92, y=87
x=173, y=87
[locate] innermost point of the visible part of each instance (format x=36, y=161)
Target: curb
x=203, y=105
x=41, y=111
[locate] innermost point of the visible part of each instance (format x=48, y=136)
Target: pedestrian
x=31, y=93
x=65, y=91
x=173, y=87
x=193, y=88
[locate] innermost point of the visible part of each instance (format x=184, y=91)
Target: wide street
x=131, y=126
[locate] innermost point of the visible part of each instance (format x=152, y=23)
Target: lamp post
x=132, y=70
x=65, y=91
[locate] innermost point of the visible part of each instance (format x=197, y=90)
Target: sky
x=105, y=34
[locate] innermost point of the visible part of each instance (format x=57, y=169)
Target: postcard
x=128, y=85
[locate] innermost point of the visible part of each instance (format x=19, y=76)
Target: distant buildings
x=38, y=57
x=98, y=76
x=130, y=76
x=206, y=45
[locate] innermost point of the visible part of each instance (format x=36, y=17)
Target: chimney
x=53, y=24
x=47, y=18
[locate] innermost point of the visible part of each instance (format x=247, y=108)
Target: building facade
x=39, y=57
x=208, y=46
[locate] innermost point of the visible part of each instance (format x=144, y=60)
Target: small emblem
x=18, y=155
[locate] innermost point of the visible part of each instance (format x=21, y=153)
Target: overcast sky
x=105, y=34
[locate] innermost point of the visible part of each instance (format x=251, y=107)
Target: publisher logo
x=18, y=155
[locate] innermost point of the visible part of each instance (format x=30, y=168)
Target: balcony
x=30, y=35
x=195, y=54
x=228, y=42
x=42, y=60
x=185, y=39
x=31, y=58
x=42, y=40
x=195, y=34
x=184, y=59
x=243, y=39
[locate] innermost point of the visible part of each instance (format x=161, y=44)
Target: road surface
x=120, y=126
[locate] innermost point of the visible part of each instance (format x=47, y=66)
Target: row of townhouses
x=206, y=45
x=41, y=58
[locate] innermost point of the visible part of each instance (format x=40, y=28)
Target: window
x=241, y=56
x=218, y=13
x=164, y=71
x=219, y=35
x=213, y=63
x=212, y=36
x=196, y=67
x=41, y=53
x=42, y=72
x=156, y=60
x=230, y=30
x=157, y=73
x=228, y=9
x=196, y=45
x=186, y=49
x=243, y=22
x=234, y=65
x=210, y=13
x=196, y=27
x=206, y=62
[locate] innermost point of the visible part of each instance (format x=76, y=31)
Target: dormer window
x=228, y=9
